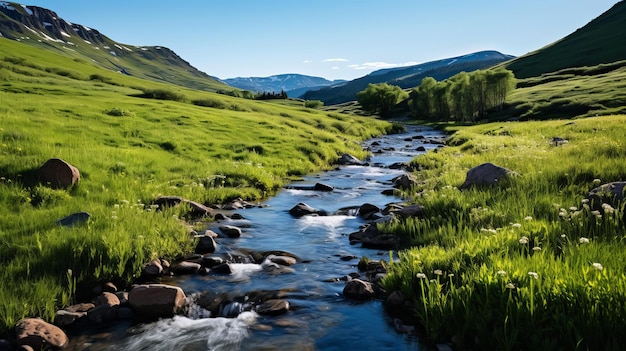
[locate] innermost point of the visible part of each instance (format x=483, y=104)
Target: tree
x=380, y=98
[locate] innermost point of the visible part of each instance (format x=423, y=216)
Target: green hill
x=42, y=28
x=601, y=41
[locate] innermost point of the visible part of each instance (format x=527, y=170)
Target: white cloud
x=307, y=61
x=336, y=67
x=381, y=65
x=336, y=60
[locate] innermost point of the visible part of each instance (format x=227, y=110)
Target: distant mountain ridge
x=43, y=28
x=408, y=77
x=293, y=84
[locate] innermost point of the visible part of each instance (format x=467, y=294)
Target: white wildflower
x=573, y=208
x=510, y=286
x=608, y=208
x=528, y=218
x=534, y=275
x=523, y=240
x=597, y=266
x=536, y=248
x=596, y=181
x=420, y=276
x=584, y=201
x=501, y=273
x=583, y=240
x=438, y=272
x=516, y=225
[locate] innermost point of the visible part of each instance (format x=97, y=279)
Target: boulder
x=347, y=160
x=358, y=289
x=64, y=318
x=106, y=298
x=206, y=244
x=185, y=267
x=404, y=182
x=486, y=174
x=156, y=300
x=37, y=333
x=303, y=209
x=197, y=209
x=323, y=187
x=410, y=211
x=367, y=210
x=609, y=193
x=153, y=268
x=370, y=237
x=231, y=231
x=58, y=174
x=282, y=260
x=273, y=307
x=74, y=219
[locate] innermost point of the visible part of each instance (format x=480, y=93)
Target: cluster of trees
x=464, y=96
x=272, y=95
x=380, y=98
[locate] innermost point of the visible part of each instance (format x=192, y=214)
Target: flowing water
x=320, y=317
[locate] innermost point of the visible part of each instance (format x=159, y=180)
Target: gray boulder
x=303, y=209
x=347, y=160
x=486, y=174
x=74, y=219
x=609, y=193
x=358, y=289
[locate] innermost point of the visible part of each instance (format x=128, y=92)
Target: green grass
x=471, y=270
x=574, y=92
x=130, y=150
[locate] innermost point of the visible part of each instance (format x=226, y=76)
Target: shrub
x=313, y=104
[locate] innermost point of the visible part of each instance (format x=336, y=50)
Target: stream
x=320, y=317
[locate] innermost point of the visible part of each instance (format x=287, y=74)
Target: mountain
x=43, y=28
x=407, y=77
x=600, y=41
x=290, y=83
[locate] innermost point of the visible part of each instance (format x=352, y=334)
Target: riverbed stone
x=282, y=260
x=206, y=244
x=486, y=174
x=302, y=209
x=231, y=231
x=153, y=268
x=404, y=182
x=64, y=318
x=38, y=333
x=414, y=210
x=358, y=289
x=348, y=160
x=58, y=174
x=156, y=300
x=185, y=267
x=196, y=209
x=273, y=307
x=367, y=210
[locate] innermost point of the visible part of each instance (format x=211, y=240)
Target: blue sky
x=334, y=39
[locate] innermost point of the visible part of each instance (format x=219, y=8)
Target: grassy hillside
x=203, y=146
x=42, y=28
x=600, y=41
x=526, y=265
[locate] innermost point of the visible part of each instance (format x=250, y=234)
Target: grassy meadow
x=528, y=264
x=203, y=146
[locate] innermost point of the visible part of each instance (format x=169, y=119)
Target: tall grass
x=526, y=265
x=129, y=151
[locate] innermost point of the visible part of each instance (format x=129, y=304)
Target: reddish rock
x=36, y=333
x=156, y=300
x=58, y=173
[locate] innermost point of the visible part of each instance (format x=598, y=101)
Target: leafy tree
x=380, y=98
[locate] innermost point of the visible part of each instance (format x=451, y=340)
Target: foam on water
x=180, y=333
